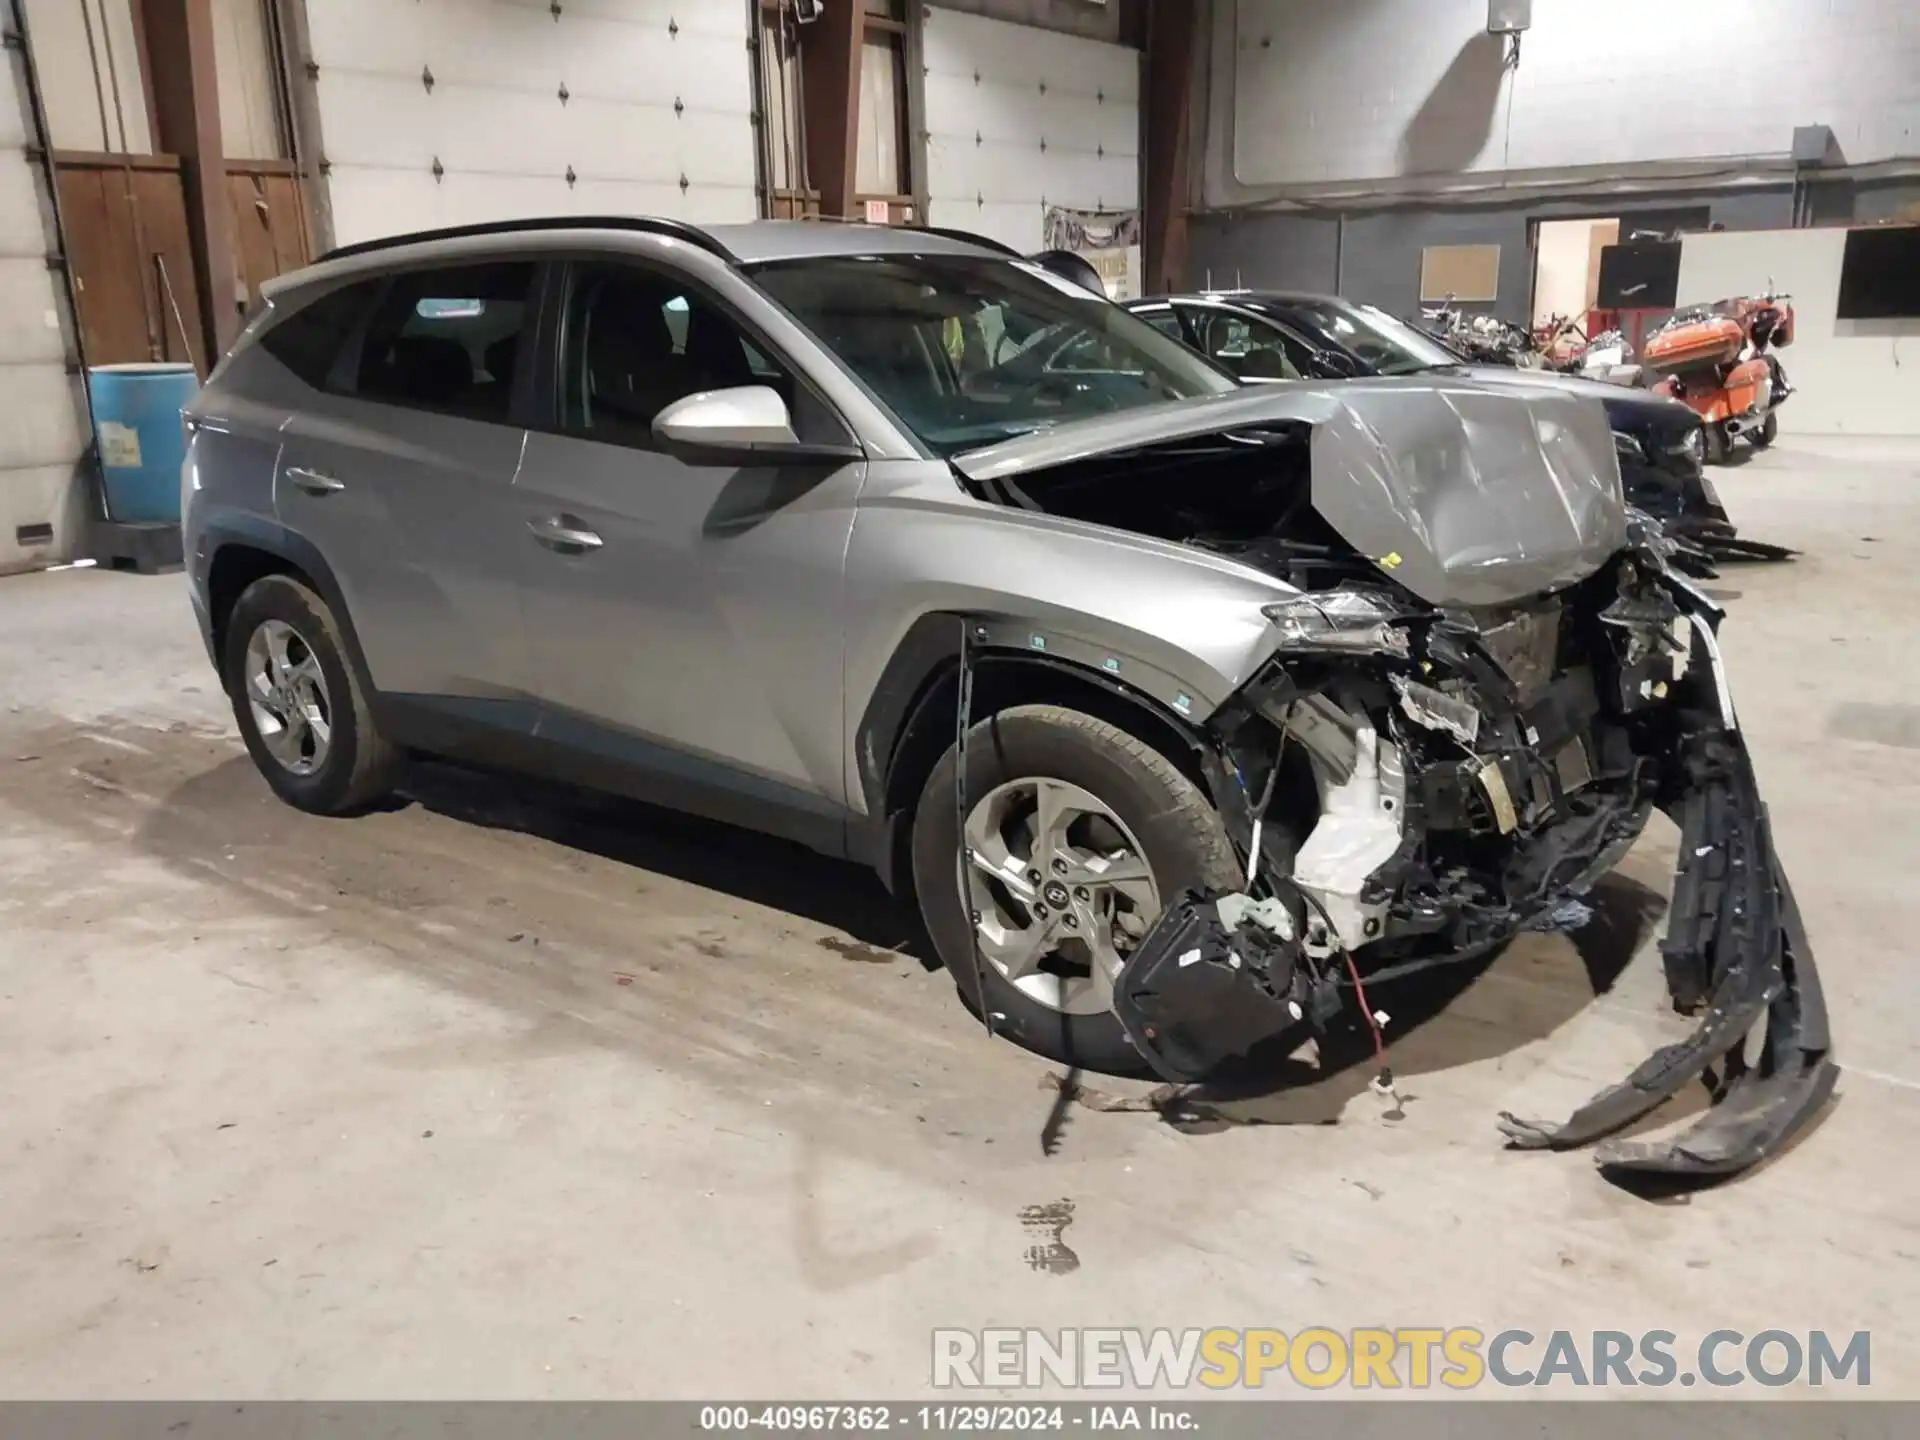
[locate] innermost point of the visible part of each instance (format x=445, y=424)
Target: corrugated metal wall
x=41, y=429
x=1019, y=119
x=447, y=112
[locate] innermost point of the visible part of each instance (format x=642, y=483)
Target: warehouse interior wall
x=1852, y=377
x=1097, y=20
x=447, y=112
x=1368, y=97
x=1019, y=119
x=43, y=490
x=1336, y=142
x=92, y=75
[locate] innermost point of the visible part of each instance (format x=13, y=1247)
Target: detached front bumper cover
x=1737, y=950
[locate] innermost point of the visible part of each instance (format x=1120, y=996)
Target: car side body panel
x=1083, y=594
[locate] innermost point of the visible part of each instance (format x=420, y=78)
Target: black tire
x=1717, y=443
x=1181, y=835
x=360, y=766
x=1768, y=432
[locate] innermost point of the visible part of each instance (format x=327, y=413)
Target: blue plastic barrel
x=136, y=419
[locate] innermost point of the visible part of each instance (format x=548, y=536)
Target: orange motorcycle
x=1720, y=360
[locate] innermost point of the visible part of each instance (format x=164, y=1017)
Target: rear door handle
x=565, y=534
x=314, y=482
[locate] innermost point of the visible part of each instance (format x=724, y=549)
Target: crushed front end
x=1472, y=771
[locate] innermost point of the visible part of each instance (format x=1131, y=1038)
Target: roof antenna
x=1238, y=284
x=1209, y=279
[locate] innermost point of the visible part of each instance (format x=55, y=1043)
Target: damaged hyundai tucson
x=1188, y=713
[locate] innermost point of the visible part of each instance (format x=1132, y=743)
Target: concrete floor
x=506, y=1094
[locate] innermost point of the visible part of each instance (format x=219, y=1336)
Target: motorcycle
x=1480, y=339
x=1720, y=361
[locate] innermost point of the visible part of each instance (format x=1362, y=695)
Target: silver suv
x=1185, y=711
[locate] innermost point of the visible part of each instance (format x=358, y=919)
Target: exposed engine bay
x=1475, y=704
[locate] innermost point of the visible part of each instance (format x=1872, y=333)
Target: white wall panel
x=91, y=86
x=1330, y=91
x=1019, y=119
x=243, y=63
x=657, y=92
x=1851, y=377
x=41, y=428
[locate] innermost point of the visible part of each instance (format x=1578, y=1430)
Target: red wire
x=1373, y=1025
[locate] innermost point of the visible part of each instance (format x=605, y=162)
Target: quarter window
x=449, y=340
x=310, y=339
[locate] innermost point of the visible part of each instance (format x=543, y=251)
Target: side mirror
x=744, y=425
x=1336, y=365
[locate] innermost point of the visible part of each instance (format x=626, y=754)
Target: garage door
x=40, y=425
x=450, y=112
x=1020, y=119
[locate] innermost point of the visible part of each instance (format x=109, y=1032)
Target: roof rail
x=985, y=242
x=675, y=229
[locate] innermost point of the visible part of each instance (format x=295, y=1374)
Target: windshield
x=1385, y=344
x=968, y=350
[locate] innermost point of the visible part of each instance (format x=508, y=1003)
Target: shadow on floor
x=752, y=867
x=1427, y=1031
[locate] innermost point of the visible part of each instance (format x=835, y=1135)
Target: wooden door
x=269, y=223
x=125, y=218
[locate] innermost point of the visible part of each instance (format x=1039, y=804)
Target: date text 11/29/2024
x=938, y=1419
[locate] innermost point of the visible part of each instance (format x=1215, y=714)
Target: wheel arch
x=909, y=721
x=239, y=554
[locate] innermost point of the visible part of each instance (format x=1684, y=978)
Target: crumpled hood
x=1465, y=493
x=1619, y=399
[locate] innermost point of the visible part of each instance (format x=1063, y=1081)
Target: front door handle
x=565, y=534
x=314, y=482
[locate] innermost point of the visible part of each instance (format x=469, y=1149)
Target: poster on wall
x=1109, y=239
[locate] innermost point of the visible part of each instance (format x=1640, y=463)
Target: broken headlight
x=1343, y=621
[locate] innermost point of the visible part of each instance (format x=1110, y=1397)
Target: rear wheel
x=1077, y=833
x=1768, y=432
x=300, y=709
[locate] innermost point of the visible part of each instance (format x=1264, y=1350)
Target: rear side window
x=308, y=341
x=449, y=340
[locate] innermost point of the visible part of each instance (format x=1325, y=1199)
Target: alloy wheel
x=1061, y=888
x=287, y=693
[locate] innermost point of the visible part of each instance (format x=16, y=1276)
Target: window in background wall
x=880, y=160
x=252, y=117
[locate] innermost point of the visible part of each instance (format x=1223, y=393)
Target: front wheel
x=1718, y=443
x=1076, y=835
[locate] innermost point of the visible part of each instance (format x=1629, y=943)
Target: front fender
x=1180, y=626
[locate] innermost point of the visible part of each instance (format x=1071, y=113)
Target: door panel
x=406, y=483
x=707, y=621
x=414, y=513
x=703, y=634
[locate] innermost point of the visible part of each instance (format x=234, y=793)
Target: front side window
x=1252, y=348
x=968, y=350
x=1164, y=320
x=637, y=340
x=1383, y=343
x=448, y=340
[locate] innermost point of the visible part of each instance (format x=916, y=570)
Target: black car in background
x=1271, y=335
